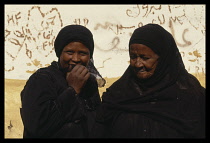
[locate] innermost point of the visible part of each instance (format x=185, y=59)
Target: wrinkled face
x=143, y=60
x=74, y=53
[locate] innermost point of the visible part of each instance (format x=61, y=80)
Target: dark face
x=143, y=60
x=74, y=53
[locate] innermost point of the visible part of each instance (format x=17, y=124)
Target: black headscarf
x=181, y=100
x=74, y=33
x=163, y=44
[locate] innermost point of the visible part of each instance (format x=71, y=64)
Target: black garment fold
x=51, y=109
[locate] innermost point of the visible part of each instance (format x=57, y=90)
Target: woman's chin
x=143, y=75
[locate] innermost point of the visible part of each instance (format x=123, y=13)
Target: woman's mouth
x=71, y=66
x=140, y=70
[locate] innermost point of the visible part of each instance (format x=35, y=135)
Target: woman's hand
x=77, y=77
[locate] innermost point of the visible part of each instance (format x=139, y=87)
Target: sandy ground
x=13, y=126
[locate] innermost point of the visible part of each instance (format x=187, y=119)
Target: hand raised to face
x=77, y=77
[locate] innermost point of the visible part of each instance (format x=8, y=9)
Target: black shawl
x=180, y=97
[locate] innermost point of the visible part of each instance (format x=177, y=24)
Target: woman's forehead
x=140, y=48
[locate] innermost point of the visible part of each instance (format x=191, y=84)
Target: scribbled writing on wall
x=31, y=35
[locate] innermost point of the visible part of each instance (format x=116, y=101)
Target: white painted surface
x=30, y=31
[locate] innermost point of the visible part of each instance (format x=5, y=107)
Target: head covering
x=163, y=44
x=73, y=33
x=179, y=97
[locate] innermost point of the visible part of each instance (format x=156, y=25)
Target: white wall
x=30, y=31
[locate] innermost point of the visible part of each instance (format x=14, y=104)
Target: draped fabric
x=51, y=109
x=178, y=97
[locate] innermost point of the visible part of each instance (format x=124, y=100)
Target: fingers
x=87, y=75
x=78, y=77
x=80, y=70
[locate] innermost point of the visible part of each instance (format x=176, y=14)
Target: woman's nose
x=139, y=62
x=75, y=58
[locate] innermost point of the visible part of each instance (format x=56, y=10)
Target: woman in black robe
x=59, y=101
x=156, y=97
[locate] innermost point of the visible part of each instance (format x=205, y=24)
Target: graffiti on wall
x=33, y=37
x=30, y=34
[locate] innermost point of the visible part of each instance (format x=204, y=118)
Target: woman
x=156, y=97
x=59, y=101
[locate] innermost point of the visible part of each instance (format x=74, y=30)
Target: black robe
x=169, y=104
x=51, y=109
x=170, y=113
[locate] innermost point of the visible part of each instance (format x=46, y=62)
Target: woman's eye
x=132, y=56
x=145, y=58
x=69, y=52
x=83, y=53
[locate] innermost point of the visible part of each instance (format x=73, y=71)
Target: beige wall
x=30, y=31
